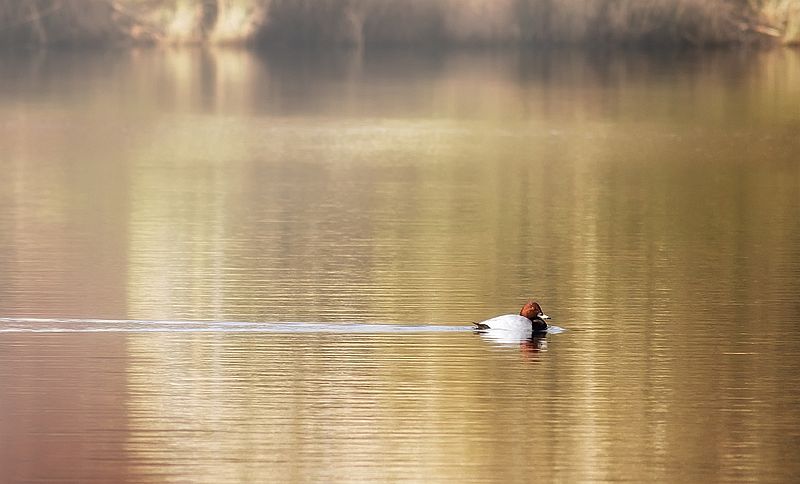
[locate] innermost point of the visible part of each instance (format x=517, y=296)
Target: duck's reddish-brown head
x=532, y=310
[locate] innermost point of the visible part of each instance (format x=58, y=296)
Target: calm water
x=225, y=267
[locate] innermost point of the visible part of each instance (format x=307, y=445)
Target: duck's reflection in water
x=536, y=344
x=530, y=343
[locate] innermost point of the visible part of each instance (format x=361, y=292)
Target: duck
x=531, y=318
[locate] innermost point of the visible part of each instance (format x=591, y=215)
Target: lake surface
x=220, y=266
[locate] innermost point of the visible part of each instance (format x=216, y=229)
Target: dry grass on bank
x=783, y=16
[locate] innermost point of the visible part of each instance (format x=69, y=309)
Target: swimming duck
x=530, y=318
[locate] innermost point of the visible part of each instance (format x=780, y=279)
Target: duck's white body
x=508, y=322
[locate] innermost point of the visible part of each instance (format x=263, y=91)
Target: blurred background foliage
x=435, y=23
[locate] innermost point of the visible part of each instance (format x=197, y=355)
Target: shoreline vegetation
x=400, y=23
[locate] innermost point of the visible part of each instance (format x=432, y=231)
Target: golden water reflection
x=651, y=204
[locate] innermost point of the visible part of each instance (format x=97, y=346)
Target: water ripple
x=81, y=325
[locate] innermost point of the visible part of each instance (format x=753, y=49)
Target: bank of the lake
x=401, y=23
